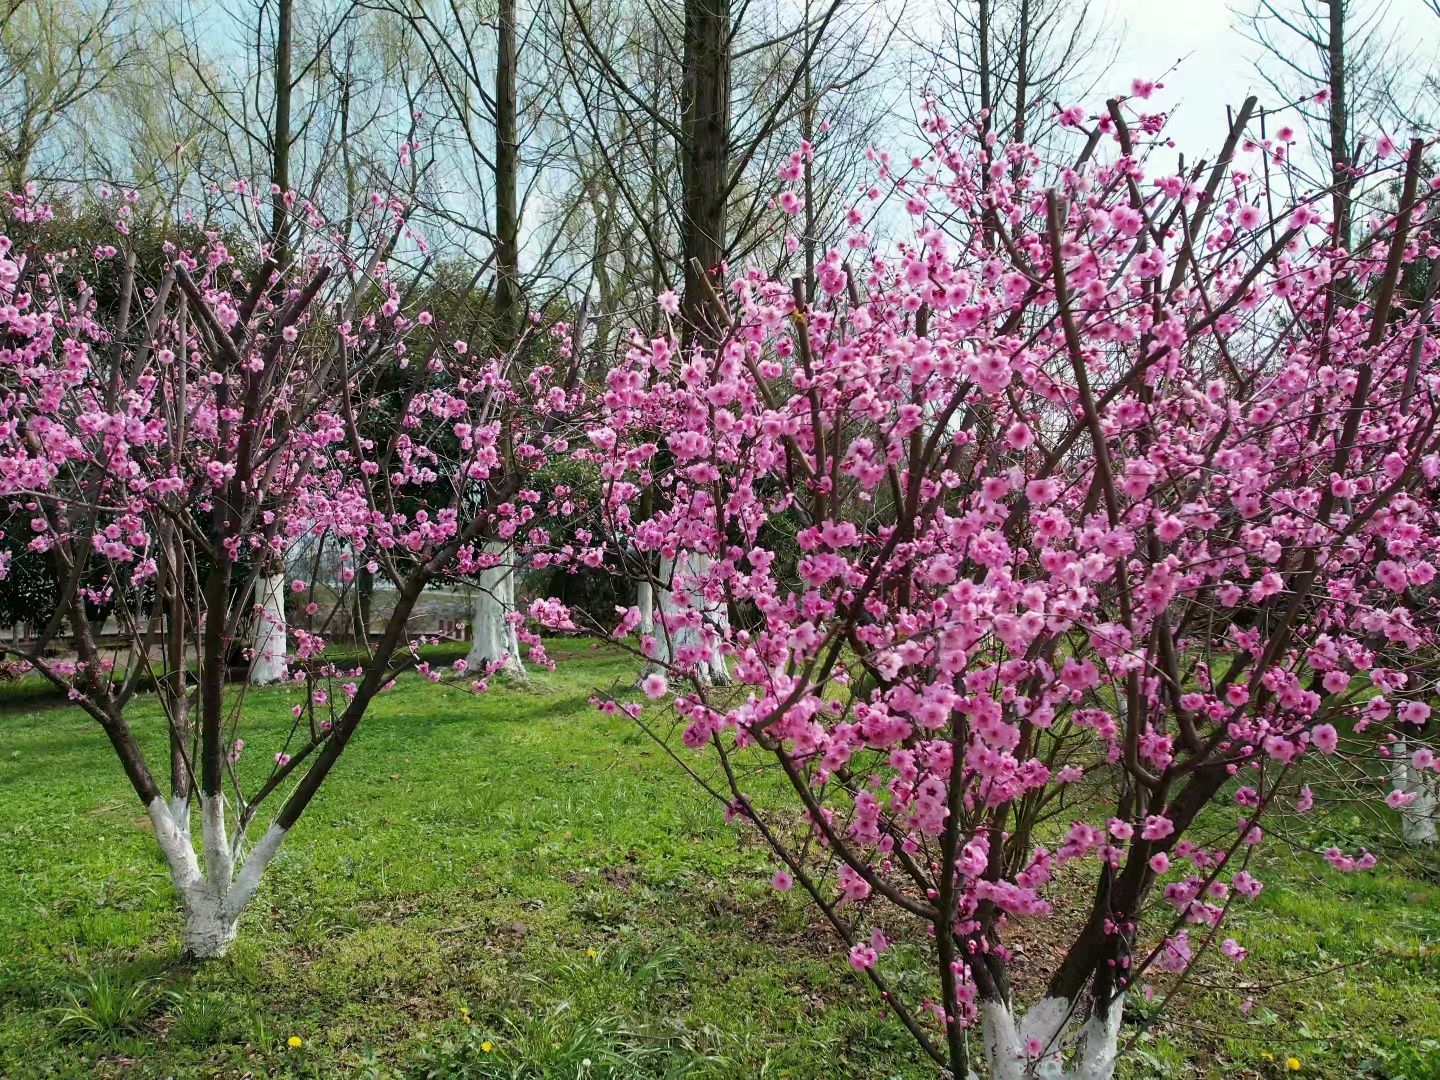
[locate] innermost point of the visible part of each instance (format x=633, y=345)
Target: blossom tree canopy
x=1109, y=517
x=167, y=457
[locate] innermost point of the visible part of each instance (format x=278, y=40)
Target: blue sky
x=1219, y=66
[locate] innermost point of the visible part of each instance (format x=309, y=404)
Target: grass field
x=516, y=886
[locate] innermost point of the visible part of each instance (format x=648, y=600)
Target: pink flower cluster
x=1082, y=503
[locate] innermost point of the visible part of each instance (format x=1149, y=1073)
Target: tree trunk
x=507, y=217
x=267, y=634
x=705, y=160
x=214, y=895
x=174, y=688
x=1339, y=123
x=1417, y=820
x=690, y=626
x=495, y=639
x=360, y=609
x=1030, y=1047
x=808, y=109
x=645, y=601
x=280, y=138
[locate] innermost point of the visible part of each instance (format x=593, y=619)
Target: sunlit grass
x=520, y=871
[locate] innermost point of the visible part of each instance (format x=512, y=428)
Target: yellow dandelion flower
x=1292, y=1064
x=487, y=1046
x=591, y=953
x=295, y=1042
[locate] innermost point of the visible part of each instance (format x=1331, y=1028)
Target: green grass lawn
x=515, y=885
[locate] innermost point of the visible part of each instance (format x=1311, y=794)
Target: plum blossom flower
x=1398, y=799
x=862, y=957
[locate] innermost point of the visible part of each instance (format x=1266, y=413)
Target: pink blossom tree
x=169, y=455
x=1113, y=519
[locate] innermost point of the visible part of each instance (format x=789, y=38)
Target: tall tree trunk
x=645, y=603
x=494, y=638
x=808, y=108
x=690, y=626
x=269, y=630
x=705, y=160
x=507, y=219
x=280, y=137
x=1022, y=74
x=987, y=99
x=360, y=614
x=987, y=105
x=170, y=592
x=1339, y=123
x=1418, y=820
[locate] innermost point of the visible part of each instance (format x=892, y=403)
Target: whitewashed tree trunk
x=267, y=635
x=494, y=635
x=180, y=814
x=690, y=627
x=1049, y=1023
x=214, y=894
x=645, y=601
x=1418, y=819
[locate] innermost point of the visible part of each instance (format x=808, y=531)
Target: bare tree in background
x=268, y=627
x=749, y=81
x=316, y=98
x=1004, y=65
x=1336, y=61
x=845, y=99
x=487, y=121
x=56, y=58
x=621, y=163
x=705, y=157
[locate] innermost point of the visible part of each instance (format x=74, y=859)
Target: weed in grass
x=260, y=1033
x=202, y=1017
x=314, y=926
x=559, y=1045
x=1402, y=1059
x=105, y=1006
x=641, y=967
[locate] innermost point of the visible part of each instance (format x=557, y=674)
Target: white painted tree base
x=180, y=814
x=1006, y=1038
x=213, y=896
x=680, y=596
x=267, y=632
x=1419, y=819
x=208, y=932
x=494, y=638
x=645, y=603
